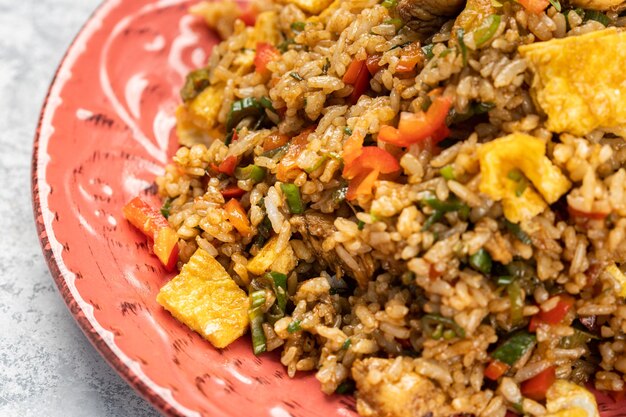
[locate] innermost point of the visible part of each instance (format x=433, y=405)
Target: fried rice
x=407, y=289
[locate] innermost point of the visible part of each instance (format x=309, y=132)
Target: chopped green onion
x=318, y=163
x=292, y=195
x=428, y=50
x=294, y=326
x=255, y=314
x=481, y=261
x=347, y=130
x=504, y=280
x=597, y=16
x=516, y=230
x=449, y=334
x=246, y=107
x=400, y=45
x=284, y=46
x=296, y=76
x=514, y=348
x=445, y=52
x=266, y=103
x=229, y=137
x=487, y=29
x=165, y=210
x=555, y=4
x=496, y=3
x=578, y=339
x=398, y=23
x=444, y=206
x=447, y=172
x=195, y=82
x=279, y=281
x=459, y=38
x=298, y=26
x=360, y=225
x=389, y=4
x=482, y=107
x=277, y=153
x=433, y=326
x=346, y=344
x=516, y=299
x=251, y=172
x=521, y=187
x=346, y=387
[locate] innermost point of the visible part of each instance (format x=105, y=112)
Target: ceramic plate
x=105, y=131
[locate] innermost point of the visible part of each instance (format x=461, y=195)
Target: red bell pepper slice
x=228, y=165
x=155, y=226
x=412, y=55
x=373, y=64
x=265, y=53
x=232, y=191
x=536, y=387
x=553, y=316
x=372, y=158
x=237, y=217
x=496, y=369
x=297, y=145
x=534, y=6
x=587, y=215
x=353, y=71
x=417, y=127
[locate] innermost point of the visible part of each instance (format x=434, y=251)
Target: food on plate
x=424, y=203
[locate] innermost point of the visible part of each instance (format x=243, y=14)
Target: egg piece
x=597, y=4
x=567, y=399
x=525, y=155
x=205, y=298
x=578, y=80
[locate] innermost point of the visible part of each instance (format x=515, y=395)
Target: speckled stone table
x=47, y=366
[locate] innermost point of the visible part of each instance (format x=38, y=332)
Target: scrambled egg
x=578, y=81
x=267, y=258
x=311, y=6
x=527, y=154
x=597, y=4
x=265, y=30
x=205, y=298
x=566, y=399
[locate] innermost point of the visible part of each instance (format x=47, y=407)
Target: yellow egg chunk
x=597, y=4
x=579, y=81
x=205, y=107
x=205, y=298
x=268, y=259
x=265, y=30
x=526, y=154
x=567, y=399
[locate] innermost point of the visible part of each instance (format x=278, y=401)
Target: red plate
x=105, y=131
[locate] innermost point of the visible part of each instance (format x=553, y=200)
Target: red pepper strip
x=248, y=14
x=274, y=140
x=232, y=191
x=534, y=6
x=416, y=127
x=362, y=184
x=360, y=85
x=352, y=148
x=297, y=145
x=265, y=53
x=372, y=158
x=373, y=64
x=594, y=215
x=237, y=217
x=152, y=224
x=496, y=369
x=353, y=71
x=228, y=165
x=554, y=316
x=412, y=55
x=536, y=387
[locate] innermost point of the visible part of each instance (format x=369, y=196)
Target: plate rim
x=38, y=173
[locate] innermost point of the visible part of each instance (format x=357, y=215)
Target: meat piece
x=399, y=391
x=427, y=16
x=315, y=228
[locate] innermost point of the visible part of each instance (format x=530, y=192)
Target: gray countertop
x=47, y=366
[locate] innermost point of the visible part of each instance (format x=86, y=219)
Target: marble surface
x=47, y=366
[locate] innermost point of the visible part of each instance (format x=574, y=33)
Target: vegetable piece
x=267, y=258
x=205, y=298
x=265, y=53
x=441, y=208
x=555, y=315
x=294, y=326
x=195, y=82
x=280, y=289
x=496, y=369
x=247, y=107
x=228, y=165
x=389, y=4
x=294, y=200
x=516, y=230
x=360, y=85
x=298, y=26
x=514, y=348
x=274, y=141
x=459, y=38
x=447, y=172
x=556, y=5
x=593, y=215
x=155, y=226
x=536, y=387
x=364, y=170
x=579, y=339
x=416, y=127
x=489, y=27
x=232, y=191
x=433, y=324
x=597, y=16
x=251, y=172
x=516, y=299
x=165, y=208
x=534, y=6
x=527, y=154
x=411, y=57
x=353, y=71
x=373, y=63
x=255, y=315
x=481, y=261
x=289, y=161
x=237, y=216
x=346, y=344
x=296, y=76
